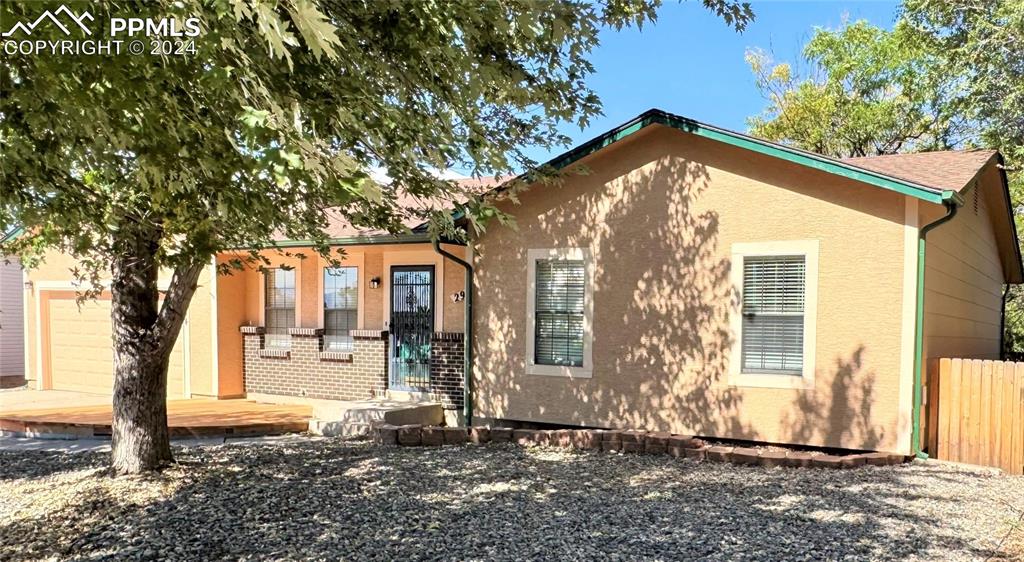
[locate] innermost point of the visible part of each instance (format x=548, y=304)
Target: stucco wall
x=372, y=261
x=659, y=211
x=454, y=282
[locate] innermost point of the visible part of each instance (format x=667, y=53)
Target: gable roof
x=906, y=186
x=340, y=231
x=943, y=169
x=936, y=177
x=957, y=170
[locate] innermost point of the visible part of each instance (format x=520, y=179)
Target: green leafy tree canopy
x=134, y=164
x=866, y=91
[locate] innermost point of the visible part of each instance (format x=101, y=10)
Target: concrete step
x=355, y=419
x=409, y=396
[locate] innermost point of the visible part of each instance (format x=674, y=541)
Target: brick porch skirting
x=305, y=369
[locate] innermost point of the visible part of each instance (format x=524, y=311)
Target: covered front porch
x=386, y=321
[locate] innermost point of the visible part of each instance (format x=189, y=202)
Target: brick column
x=447, y=353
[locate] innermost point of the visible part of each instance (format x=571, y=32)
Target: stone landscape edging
x=626, y=442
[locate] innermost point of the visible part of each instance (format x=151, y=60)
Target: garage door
x=81, y=351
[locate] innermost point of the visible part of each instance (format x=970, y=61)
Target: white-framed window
x=341, y=306
x=560, y=307
x=774, y=325
x=279, y=299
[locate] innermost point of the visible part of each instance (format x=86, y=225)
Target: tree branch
x=172, y=312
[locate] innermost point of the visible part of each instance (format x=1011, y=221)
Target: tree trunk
x=140, y=440
x=144, y=335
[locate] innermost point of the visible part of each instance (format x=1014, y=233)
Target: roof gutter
x=467, y=355
x=915, y=437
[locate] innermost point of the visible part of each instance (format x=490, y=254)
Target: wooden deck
x=186, y=418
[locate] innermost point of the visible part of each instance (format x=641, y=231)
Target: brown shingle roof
x=338, y=227
x=945, y=169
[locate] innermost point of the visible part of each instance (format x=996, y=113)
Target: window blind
x=773, y=314
x=341, y=306
x=279, y=303
x=558, y=313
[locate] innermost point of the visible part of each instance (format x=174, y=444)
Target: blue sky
x=691, y=63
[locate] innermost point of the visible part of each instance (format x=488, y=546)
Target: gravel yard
x=334, y=499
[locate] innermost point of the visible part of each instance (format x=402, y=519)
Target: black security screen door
x=412, y=324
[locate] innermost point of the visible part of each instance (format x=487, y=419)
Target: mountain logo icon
x=27, y=28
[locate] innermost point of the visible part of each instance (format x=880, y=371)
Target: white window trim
x=741, y=250
x=355, y=260
x=586, y=371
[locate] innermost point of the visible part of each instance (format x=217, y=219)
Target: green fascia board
x=18, y=231
x=809, y=159
x=365, y=240
x=804, y=158
x=788, y=153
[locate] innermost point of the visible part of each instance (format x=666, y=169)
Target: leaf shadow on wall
x=662, y=294
x=663, y=298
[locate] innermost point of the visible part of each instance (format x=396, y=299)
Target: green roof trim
x=795, y=155
x=17, y=232
x=359, y=240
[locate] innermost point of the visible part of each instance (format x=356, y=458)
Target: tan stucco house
x=701, y=281
x=693, y=280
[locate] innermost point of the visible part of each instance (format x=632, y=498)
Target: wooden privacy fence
x=976, y=412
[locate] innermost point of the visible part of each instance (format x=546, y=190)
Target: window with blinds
x=279, y=306
x=773, y=314
x=559, y=312
x=341, y=307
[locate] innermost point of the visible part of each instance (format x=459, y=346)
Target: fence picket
x=954, y=419
x=984, y=422
x=1006, y=435
x=1018, y=423
x=940, y=406
x=971, y=428
x=995, y=430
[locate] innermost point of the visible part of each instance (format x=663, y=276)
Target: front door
x=412, y=325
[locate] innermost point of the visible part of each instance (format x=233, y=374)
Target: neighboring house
x=12, y=323
x=694, y=280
